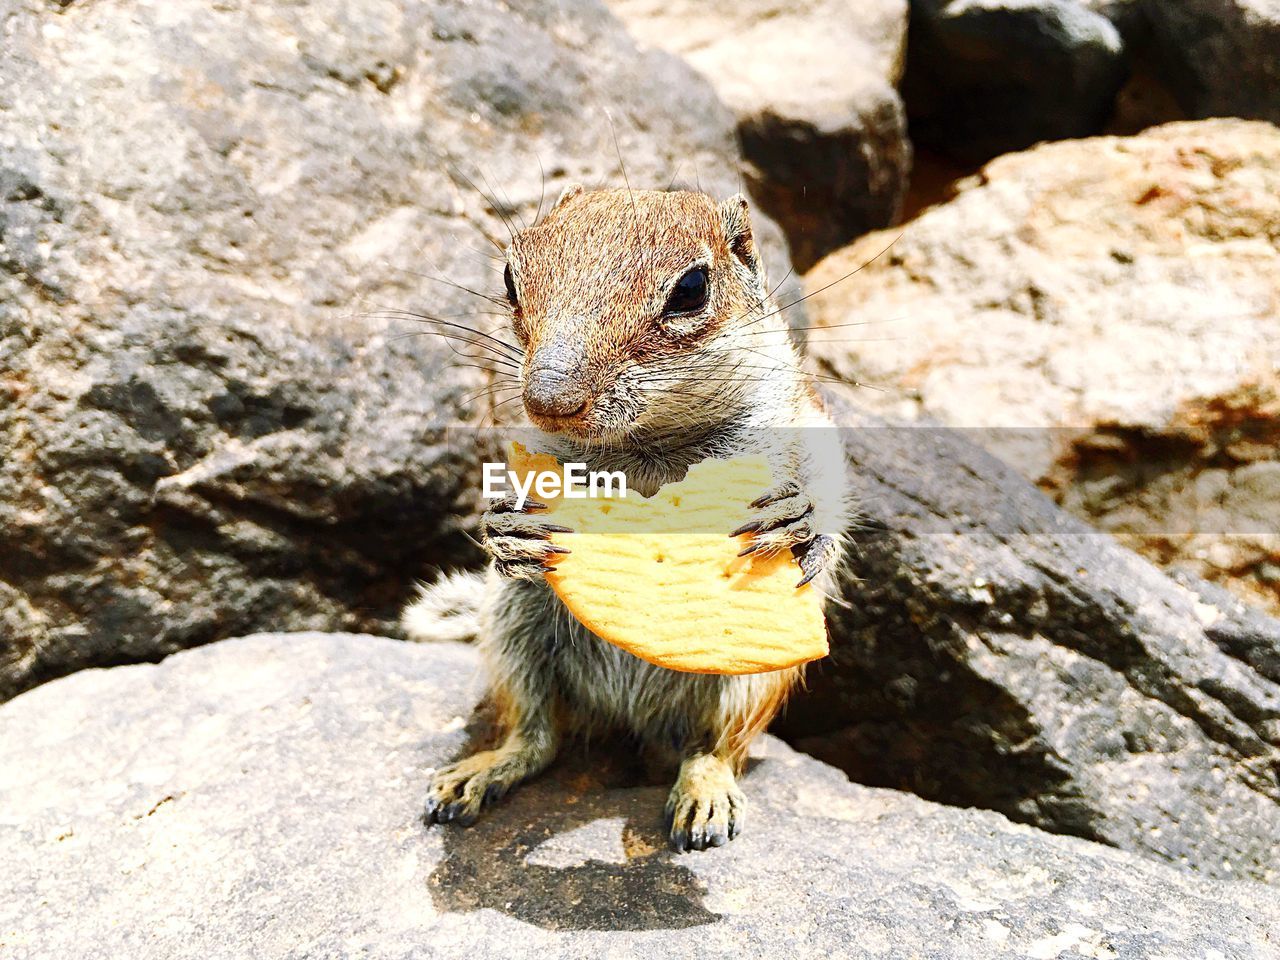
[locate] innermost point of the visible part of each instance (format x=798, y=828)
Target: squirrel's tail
x=445, y=610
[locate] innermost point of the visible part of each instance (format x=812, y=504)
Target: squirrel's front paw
x=820, y=555
x=785, y=522
x=519, y=542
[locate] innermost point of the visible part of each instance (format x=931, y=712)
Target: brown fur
x=743, y=726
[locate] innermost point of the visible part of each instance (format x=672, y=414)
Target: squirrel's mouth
x=591, y=426
x=586, y=413
x=577, y=424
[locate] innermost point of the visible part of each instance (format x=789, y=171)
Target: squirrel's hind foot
x=457, y=793
x=705, y=807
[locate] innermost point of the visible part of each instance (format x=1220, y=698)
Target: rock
x=1199, y=492
x=813, y=86
x=261, y=797
x=1146, y=99
x=208, y=424
x=1102, y=315
x=991, y=651
x=985, y=77
x=201, y=438
x=1127, y=16
x=1221, y=56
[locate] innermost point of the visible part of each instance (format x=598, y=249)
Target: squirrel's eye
x=511, y=286
x=690, y=292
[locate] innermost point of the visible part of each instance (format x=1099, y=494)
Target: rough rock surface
x=204, y=432
x=988, y=76
x=992, y=651
x=1127, y=16
x=1103, y=314
x=1221, y=56
x=813, y=85
x=260, y=797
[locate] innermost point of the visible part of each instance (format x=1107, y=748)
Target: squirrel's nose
x=553, y=393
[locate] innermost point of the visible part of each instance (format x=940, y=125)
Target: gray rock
x=1222, y=57
x=992, y=651
x=813, y=86
x=208, y=426
x=1126, y=16
x=988, y=76
x=260, y=797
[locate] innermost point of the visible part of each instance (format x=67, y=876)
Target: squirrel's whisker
x=490, y=392
x=831, y=326
x=492, y=200
x=450, y=338
x=509, y=348
x=828, y=286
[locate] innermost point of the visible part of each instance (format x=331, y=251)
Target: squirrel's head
x=633, y=309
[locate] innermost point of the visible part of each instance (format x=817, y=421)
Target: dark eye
x=511, y=286
x=690, y=293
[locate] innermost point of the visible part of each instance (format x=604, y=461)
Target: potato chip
x=660, y=577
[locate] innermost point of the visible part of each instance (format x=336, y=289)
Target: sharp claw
x=754, y=548
x=556, y=528
x=557, y=549
x=788, y=489
x=751, y=526
x=814, y=557
x=535, y=505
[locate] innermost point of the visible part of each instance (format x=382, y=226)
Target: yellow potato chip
x=661, y=578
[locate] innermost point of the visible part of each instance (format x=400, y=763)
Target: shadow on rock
x=579, y=848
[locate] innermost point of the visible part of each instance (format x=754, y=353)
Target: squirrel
x=649, y=342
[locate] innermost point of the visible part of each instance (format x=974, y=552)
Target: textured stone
x=813, y=85
x=260, y=797
x=1221, y=56
x=988, y=76
x=1127, y=16
x=1102, y=315
x=208, y=426
x=989, y=650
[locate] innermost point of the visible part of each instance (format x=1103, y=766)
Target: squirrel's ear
x=736, y=217
x=567, y=194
